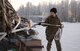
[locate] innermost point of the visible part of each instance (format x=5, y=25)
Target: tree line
x=67, y=11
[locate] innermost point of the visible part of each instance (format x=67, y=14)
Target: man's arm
x=46, y=21
x=59, y=23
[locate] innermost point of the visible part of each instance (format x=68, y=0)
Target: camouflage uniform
x=51, y=31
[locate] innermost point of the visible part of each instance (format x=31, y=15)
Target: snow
x=70, y=39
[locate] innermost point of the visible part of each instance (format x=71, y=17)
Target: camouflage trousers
x=57, y=42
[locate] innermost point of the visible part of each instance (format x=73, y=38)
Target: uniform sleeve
x=46, y=21
x=59, y=22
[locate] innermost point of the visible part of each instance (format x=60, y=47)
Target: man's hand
x=62, y=26
x=39, y=23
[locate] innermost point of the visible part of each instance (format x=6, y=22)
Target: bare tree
x=73, y=9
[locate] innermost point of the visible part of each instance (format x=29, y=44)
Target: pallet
x=32, y=45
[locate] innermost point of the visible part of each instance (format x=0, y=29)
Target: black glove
x=39, y=23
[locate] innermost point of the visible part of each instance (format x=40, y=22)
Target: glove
x=62, y=26
x=39, y=23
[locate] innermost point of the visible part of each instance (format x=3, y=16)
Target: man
x=52, y=30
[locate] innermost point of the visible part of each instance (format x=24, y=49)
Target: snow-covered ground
x=70, y=39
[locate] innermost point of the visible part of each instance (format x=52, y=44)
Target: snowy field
x=70, y=39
